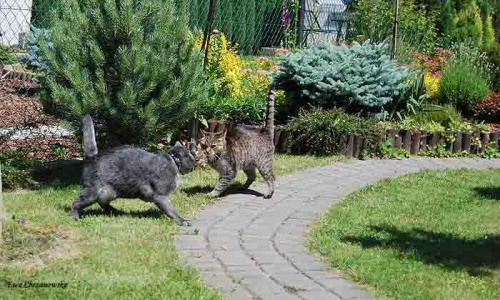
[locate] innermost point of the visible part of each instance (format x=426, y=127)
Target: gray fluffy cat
x=242, y=147
x=128, y=172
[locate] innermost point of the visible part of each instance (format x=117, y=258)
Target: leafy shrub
x=489, y=108
x=131, y=64
x=431, y=83
x=361, y=76
x=6, y=55
x=387, y=151
x=463, y=85
x=373, y=19
x=41, y=12
x=244, y=110
x=35, y=37
x=488, y=31
x=491, y=151
x=493, y=54
x=223, y=65
x=16, y=170
x=433, y=63
x=442, y=115
x=320, y=132
x=474, y=57
x=468, y=25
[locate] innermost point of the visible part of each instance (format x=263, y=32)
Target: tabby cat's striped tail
x=89, y=142
x=270, y=109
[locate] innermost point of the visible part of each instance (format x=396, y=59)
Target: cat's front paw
x=184, y=223
x=213, y=194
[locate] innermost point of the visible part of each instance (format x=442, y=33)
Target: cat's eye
x=203, y=146
x=213, y=146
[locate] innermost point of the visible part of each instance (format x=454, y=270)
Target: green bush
x=373, y=20
x=41, y=12
x=442, y=115
x=6, y=55
x=245, y=110
x=16, y=170
x=474, y=57
x=361, y=77
x=468, y=25
x=493, y=53
x=131, y=64
x=249, y=109
x=463, y=86
x=320, y=132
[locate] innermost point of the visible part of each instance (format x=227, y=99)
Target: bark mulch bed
x=20, y=108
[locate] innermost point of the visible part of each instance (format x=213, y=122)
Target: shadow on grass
x=446, y=250
x=96, y=211
x=492, y=193
x=59, y=174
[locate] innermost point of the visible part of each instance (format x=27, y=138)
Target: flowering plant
x=223, y=65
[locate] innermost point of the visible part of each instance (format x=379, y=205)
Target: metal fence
x=254, y=25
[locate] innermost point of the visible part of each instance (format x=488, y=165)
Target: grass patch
x=130, y=255
x=431, y=235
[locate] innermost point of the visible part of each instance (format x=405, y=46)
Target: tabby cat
x=242, y=147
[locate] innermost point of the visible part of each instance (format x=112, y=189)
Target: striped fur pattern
x=242, y=147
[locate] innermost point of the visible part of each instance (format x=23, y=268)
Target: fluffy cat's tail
x=270, y=109
x=89, y=142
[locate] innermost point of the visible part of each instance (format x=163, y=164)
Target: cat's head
x=183, y=156
x=212, y=143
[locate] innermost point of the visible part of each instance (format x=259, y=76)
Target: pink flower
x=247, y=70
x=262, y=72
x=286, y=18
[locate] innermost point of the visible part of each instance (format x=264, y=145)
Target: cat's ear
x=203, y=133
x=178, y=144
x=221, y=133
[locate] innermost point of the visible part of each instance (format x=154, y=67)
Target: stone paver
x=253, y=248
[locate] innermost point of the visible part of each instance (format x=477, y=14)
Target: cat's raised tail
x=270, y=109
x=89, y=142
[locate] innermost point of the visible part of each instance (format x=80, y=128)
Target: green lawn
x=432, y=235
x=126, y=256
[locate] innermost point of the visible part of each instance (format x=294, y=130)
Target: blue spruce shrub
x=34, y=38
x=361, y=76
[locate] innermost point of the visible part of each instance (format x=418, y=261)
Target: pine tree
x=130, y=63
x=488, y=31
x=447, y=22
x=468, y=25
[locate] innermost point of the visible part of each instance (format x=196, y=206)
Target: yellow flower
x=223, y=64
x=431, y=85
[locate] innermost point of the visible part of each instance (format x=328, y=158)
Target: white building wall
x=15, y=16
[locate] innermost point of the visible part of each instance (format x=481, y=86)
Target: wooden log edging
x=412, y=141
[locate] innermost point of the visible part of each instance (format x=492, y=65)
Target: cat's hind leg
x=267, y=172
x=86, y=198
x=164, y=204
x=104, y=197
x=250, y=172
x=223, y=183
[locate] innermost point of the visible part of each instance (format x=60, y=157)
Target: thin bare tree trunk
x=395, y=30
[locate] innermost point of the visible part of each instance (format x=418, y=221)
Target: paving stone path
x=253, y=248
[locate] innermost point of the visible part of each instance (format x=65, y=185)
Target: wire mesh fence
x=254, y=25
x=24, y=127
